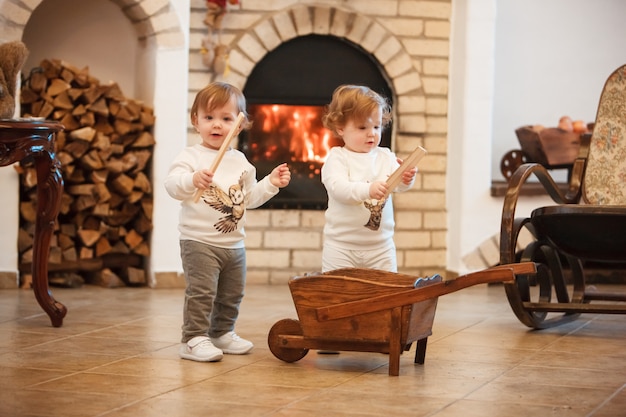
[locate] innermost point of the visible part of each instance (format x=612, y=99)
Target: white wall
x=171, y=135
x=171, y=103
x=515, y=63
x=551, y=59
x=9, y=213
x=472, y=214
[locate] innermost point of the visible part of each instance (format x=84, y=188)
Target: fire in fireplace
x=289, y=132
x=287, y=93
x=293, y=134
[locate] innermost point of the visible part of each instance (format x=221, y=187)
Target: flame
x=296, y=128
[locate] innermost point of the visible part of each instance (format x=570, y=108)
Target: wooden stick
x=410, y=162
x=221, y=152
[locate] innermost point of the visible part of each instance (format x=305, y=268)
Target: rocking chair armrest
x=524, y=172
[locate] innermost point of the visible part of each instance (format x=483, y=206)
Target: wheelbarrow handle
x=502, y=273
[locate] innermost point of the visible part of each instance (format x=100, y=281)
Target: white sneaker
x=232, y=344
x=200, y=349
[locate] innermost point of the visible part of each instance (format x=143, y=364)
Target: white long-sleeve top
x=353, y=220
x=219, y=216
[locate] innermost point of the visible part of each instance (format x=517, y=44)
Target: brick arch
x=397, y=65
x=150, y=19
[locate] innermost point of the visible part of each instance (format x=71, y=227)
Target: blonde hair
x=354, y=102
x=218, y=94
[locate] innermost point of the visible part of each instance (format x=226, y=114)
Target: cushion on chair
x=588, y=232
x=605, y=175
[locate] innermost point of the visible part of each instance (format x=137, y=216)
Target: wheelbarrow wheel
x=285, y=327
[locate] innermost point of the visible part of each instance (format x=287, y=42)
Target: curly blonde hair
x=218, y=94
x=354, y=102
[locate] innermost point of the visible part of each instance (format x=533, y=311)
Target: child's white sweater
x=219, y=216
x=353, y=220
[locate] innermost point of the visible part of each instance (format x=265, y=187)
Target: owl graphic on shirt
x=231, y=203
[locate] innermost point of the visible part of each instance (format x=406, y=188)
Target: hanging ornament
x=208, y=51
x=214, y=53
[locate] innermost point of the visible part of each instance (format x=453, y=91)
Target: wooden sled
x=367, y=310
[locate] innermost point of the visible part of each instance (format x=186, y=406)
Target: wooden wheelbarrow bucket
x=367, y=310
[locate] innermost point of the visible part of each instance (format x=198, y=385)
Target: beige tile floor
x=116, y=356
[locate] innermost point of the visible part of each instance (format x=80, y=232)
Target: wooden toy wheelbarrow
x=367, y=310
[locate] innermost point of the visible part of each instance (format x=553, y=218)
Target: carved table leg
x=49, y=192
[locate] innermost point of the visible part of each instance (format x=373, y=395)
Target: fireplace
x=287, y=93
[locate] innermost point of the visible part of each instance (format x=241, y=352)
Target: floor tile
x=116, y=355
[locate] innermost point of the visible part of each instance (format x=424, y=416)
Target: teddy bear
x=12, y=57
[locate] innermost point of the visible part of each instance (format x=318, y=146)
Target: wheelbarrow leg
x=420, y=351
x=395, y=346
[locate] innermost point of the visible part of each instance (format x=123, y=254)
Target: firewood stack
x=105, y=152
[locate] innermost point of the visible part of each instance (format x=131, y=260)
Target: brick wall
x=410, y=40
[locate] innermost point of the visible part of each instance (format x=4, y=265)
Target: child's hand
x=202, y=179
x=409, y=175
x=280, y=176
x=378, y=189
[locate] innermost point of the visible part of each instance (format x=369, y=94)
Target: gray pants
x=215, y=279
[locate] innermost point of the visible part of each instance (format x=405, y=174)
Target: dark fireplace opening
x=287, y=92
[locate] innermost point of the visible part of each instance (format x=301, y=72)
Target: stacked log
x=103, y=228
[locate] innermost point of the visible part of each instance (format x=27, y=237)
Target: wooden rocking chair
x=587, y=224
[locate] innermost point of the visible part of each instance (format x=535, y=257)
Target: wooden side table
x=19, y=139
